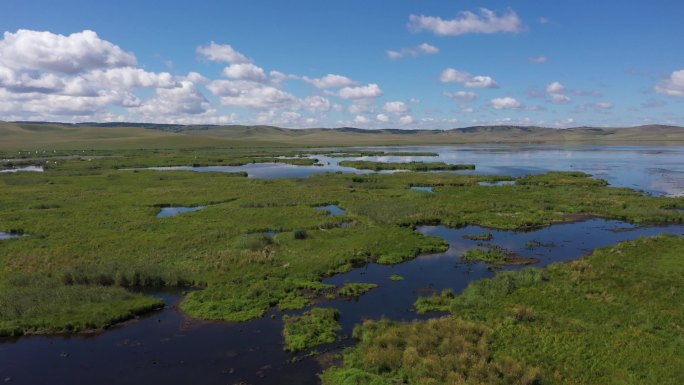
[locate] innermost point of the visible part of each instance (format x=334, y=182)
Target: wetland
x=261, y=271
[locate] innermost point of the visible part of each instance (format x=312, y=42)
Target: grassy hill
x=43, y=135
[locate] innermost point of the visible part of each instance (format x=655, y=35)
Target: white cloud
x=316, y=103
x=245, y=71
x=424, y=49
x=330, y=81
x=396, y=107
x=382, y=118
x=185, y=99
x=197, y=78
x=481, y=82
x=452, y=75
x=46, y=51
x=128, y=78
x=361, y=106
x=556, y=92
x=462, y=96
x=362, y=92
x=673, y=85
x=505, y=103
x=222, y=53
x=486, y=21
x=406, y=119
x=555, y=88
x=250, y=95
x=539, y=59
x=360, y=119
x=560, y=99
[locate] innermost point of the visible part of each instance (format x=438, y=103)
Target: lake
x=656, y=170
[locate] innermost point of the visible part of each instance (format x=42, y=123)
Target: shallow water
x=332, y=210
x=9, y=235
x=167, y=348
x=173, y=211
x=422, y=188
x=22, y=169
x=656, y=170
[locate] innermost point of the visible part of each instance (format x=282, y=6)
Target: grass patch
x=610, y=318
x=396, y=277
x=355, y=289
x=496, y=255
x=314, y=327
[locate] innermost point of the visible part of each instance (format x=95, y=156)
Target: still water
x=656, y=170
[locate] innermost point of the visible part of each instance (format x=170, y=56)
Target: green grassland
x=312, y=328
x=92, y=231
x=614, y=317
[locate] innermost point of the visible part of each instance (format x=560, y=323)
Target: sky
x=407, y=64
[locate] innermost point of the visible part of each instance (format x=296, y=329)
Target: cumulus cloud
x=505, y=103
x=360, y=119
x=555, y=88
x=362, y=92
x=128, y=77
x=487, y=21
x=396, y=107
x=451, y=75
x=382, y=118
x=481, y=82
x=406, y=119
x=222, y=53
x=248, y=94
x=316, y=103
x=245, y=71
x=46, y=51
x=422, y=49
x=673, y=85
x=462, y=96
x=185, y=99
x=556, y=93
x=330, y=81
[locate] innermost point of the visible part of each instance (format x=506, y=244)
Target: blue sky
x=371, y=64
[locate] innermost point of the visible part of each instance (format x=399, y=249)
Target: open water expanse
x=167, y=348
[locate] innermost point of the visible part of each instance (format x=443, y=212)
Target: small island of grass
x=410, y=166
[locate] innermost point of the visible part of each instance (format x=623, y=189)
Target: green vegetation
x=312, y=328
x=496, y=255
x=479, y=237
x=91, y=225
x=396, y=277
x=355, y=289
x=611, y=318
x=356, y=154
x=410, y=166
x=439, y=351
x=435, y=303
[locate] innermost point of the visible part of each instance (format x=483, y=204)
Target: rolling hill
x=46, y=135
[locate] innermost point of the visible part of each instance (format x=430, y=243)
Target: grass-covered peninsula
x=614, y=317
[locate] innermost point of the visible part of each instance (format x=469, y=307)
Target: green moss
x=396, y=277
x=312, y=328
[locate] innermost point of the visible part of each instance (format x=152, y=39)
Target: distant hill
x=42, y=135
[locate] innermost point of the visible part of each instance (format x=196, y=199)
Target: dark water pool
x=167, y=348
x=165, y=212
